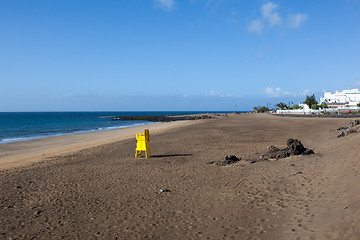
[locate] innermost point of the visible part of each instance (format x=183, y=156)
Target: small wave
x=72, y=130
x=69, y=132
x=120, y=127
x=107, y=117
x=19, y=139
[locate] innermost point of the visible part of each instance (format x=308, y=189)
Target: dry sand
x=22, y=153
x=102, y=192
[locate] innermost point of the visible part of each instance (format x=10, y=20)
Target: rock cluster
x=160, y=118
x=349, y=129
x=353, y=123
x=228, y=159
x=294, y=147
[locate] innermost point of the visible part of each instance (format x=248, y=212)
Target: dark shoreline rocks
x=160, y=118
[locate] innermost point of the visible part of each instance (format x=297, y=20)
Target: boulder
x=272, y=152
x=349, y=129
x=353, y=123
x=228, y=159
x=294, y=147
x=308, y=152
x=283, y=153
x=347, y=132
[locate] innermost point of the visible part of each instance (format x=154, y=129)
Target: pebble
x=164, y=190
x=38, y=212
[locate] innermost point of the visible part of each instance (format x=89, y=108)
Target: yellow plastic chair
x=143, y=144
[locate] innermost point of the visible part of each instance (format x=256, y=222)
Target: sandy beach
x=23, y=153
x=90, y=186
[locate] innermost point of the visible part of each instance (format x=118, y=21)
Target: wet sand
x=101, y=192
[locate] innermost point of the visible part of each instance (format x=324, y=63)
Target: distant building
x=341, y=100
x=304, y=107
x=338, y=102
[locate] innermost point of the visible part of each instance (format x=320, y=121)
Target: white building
x=304, y=109
x=341, y=100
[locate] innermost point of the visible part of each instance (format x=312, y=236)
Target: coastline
x=25, y=126
x=22, y=153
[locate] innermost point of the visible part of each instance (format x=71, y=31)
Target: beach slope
x=102, y=192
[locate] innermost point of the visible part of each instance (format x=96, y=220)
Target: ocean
x=23, y=126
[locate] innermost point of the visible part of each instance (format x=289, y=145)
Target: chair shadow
x=170, y=155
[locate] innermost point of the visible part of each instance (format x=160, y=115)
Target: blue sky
x=87, y=55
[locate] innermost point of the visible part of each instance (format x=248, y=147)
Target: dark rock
x=164, y=190
x=347, y=132
x=160, y=118
x=349, y=129
x=231, y=158
x=283, y=153
x=353, y=123
x=38, y=212
x=228, y=159
x=272, y=151
x=308, y=152
x=294, y=147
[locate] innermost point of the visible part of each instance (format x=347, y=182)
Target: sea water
x=22, y=126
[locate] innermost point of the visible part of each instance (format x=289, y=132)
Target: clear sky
x=87, y=55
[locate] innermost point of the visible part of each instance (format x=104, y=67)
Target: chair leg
x=147, y=153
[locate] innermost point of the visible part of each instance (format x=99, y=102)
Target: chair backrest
x=147, y=135
x=143, y=136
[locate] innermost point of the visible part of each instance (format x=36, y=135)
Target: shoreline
x=167, y=118
x=21, y=153
x=112, y=121
x=24, y=139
